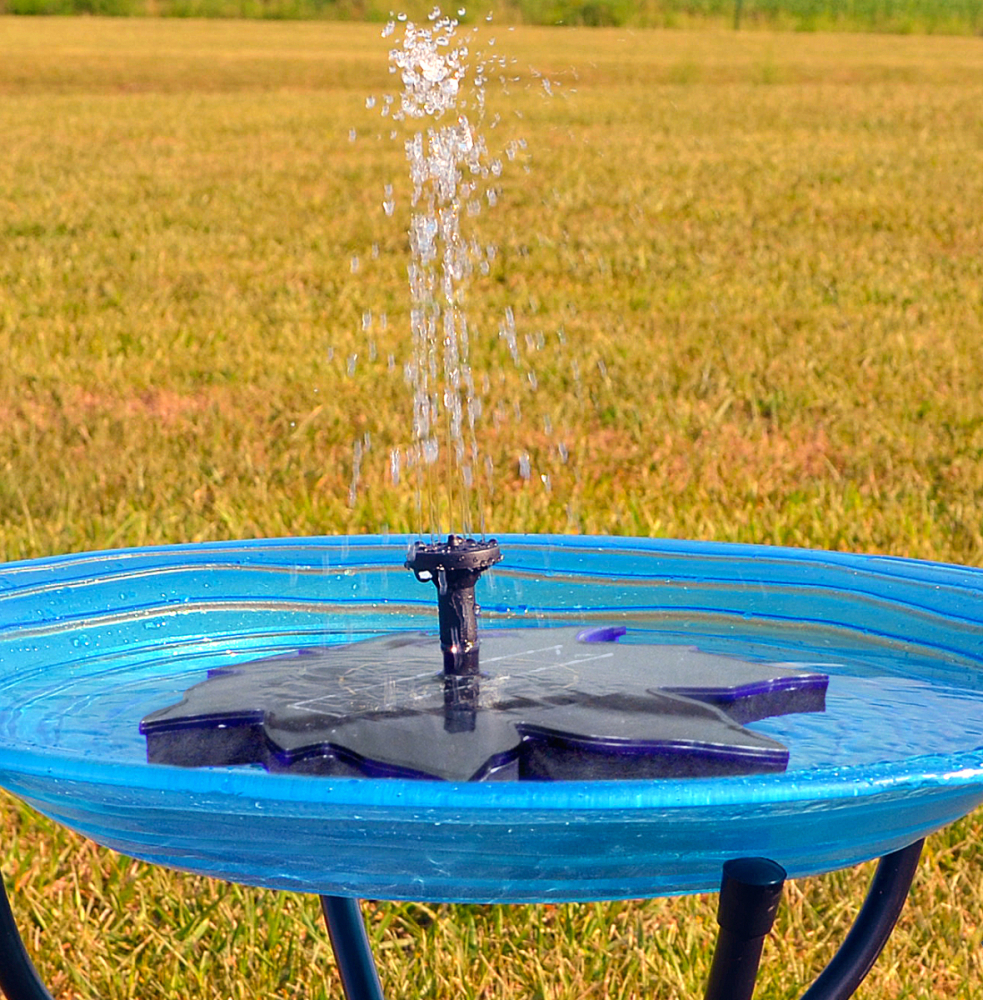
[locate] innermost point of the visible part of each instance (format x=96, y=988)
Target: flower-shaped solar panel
x=554, y=704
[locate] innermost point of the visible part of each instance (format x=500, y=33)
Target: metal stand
x=882, y=907
x=19, y=979
x=749, y=898
x=352, y=950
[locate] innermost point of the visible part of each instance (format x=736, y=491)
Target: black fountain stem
x=454, y=567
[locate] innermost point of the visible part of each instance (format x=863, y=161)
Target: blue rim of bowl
x=923, y=773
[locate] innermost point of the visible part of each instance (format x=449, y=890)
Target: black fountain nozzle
x=454, y=567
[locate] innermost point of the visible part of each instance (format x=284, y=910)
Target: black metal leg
x=749, y=896
x=882, y=907
x=18, y=977
x=351, y=948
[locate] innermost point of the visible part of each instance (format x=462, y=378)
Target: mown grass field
x=748, y=287
x=945, y=17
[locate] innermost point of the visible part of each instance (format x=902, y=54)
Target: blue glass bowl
x=91, y=643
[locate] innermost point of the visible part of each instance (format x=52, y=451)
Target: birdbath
x=624, y=718
x=93, y=645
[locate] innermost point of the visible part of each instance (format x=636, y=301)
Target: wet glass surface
x=90, y=645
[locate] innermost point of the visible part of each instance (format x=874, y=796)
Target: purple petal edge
x=602, y=633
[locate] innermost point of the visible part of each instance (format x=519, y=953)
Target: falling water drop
x=356, y=472
x=439, y=117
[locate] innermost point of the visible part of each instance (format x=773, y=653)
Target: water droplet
x=356, y=472
x=450, y=166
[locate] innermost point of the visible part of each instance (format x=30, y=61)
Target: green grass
x=745, y=272
x=957, y=17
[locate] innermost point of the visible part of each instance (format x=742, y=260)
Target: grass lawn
x=747, y=284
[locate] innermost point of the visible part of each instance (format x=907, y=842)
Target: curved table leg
x=19, y=979
x=352, y=950
x=749, y=897
x=882, y=907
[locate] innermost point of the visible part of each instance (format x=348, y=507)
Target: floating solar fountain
x=562, y=704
